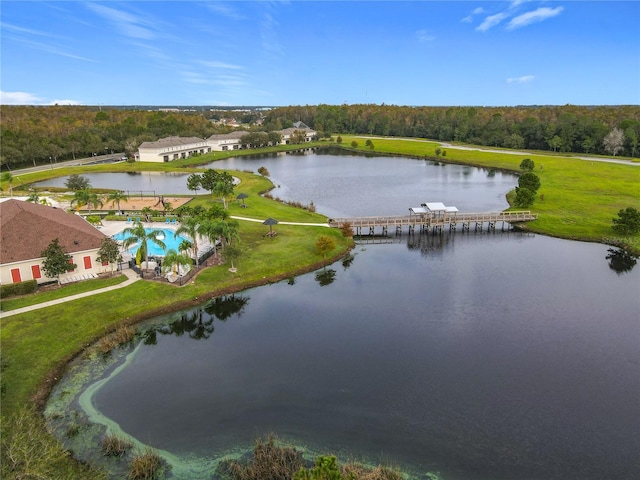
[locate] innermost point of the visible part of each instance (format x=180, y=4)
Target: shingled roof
x=26, y=229
x=172, y=142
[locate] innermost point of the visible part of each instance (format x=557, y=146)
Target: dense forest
x=33, y=135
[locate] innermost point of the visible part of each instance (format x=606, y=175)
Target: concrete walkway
x=280, y=223
x=131, y=277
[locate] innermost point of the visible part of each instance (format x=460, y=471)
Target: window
x=87, y=263
x=166, y=158
x=71, y=269
x=35, y=272
x=15, y=275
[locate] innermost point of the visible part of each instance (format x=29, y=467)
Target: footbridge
x=425, y=220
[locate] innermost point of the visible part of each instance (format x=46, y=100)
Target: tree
x=231, y=254
x=194, y=182
x=222, y=189
x=174, y=260
x=77, y=182
x=354, y=144
x=527, y=165
x=369, y=144
x=524, y=197
x=8, y=178
x=190, y=226
x=116, y=197
x=138, y=234
x=56, y=261
x=209, y=179
x=628, y=221
x=263, y=171
x=529, y=180
x=324, y=245
x=631, y=138
x=614, y=141
x=109, y=252
x=514, y=141
x=555, y=142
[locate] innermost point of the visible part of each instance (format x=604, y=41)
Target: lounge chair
x=128, y=219
x=167, y=220
x=137, y=219
x=174, y=221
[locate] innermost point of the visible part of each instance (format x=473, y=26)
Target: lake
x=478, y=356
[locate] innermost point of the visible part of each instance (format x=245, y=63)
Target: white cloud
x=469, y=18
x=523, y=79
x=424, y=36
x=222, y=65
x=534, y=16
x=19, y=98
x=225, y=10
x=128, y=24
x=491, y=21
x=26, y=98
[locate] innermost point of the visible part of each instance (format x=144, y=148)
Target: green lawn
x=577, y=198
x=580, y=199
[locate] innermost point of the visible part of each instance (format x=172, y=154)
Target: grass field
x=580, y=199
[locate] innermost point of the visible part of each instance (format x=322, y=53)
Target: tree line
x=38, y=135
x=568, y=128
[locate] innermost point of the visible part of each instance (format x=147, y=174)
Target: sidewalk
x=132, y=277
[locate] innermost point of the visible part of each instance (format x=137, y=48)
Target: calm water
x=348, y=185
x=479, y=356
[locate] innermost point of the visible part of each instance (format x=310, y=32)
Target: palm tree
x=137, y=233
x=211, y=230
x=189, y=226
x=116, y=197
x=88, y=198
x=174, y=260
x=229, y=231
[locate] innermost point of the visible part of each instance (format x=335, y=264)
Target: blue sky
x=298, y=52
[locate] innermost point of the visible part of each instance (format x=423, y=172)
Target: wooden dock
x=433, y=222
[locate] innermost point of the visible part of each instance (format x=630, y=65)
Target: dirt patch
x=155, y=203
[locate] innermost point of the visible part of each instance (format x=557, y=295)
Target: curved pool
x=168, y=237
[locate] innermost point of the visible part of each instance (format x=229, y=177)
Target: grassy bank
x=577, y=200
x=580, y=199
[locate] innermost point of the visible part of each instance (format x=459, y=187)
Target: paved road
x=69, y=163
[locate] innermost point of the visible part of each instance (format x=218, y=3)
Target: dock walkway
x=434, y=221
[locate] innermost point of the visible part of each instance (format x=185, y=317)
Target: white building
x=171, y=148
x=226, y=141
x=28, y=228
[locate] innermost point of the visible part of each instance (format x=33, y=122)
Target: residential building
x=26, y=229
x=171, y=148
x=226, y=141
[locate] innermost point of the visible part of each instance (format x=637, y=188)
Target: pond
x=479, y=355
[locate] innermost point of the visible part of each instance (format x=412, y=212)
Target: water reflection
x=621, y=261
x=198, y=323
x=326, y=276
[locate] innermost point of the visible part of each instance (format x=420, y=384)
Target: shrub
x=146, y=466
x=115, y=446
x=527, y=165
x=354, y=144
x=438, y=152
x=524, y=197
x=123, y=334
x=339, y=139
x=271, y=461
x=529, y=180
x=628, y=221
x=347, y=229
x=20, y=288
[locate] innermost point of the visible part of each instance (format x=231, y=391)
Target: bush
x=438, y=150
x=271, y=460
x=628, y=221
x=524, y=197
x=115, y=446
x=529, y=180
x=20, y=288
x=354, y=144
x=146, y=466
x=527, y=165
x=339, y=139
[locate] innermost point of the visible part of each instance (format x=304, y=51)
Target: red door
x=35, y=272
x=87, y=263
x=15, y=275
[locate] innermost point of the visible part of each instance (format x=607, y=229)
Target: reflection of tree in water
x=326, y=277
x=224, y=307
x=348, y=260
x=198, y=323
x=620, y=260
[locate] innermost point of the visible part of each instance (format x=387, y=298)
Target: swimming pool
x=170, y=239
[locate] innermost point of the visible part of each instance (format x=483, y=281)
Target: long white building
x=174, y=148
